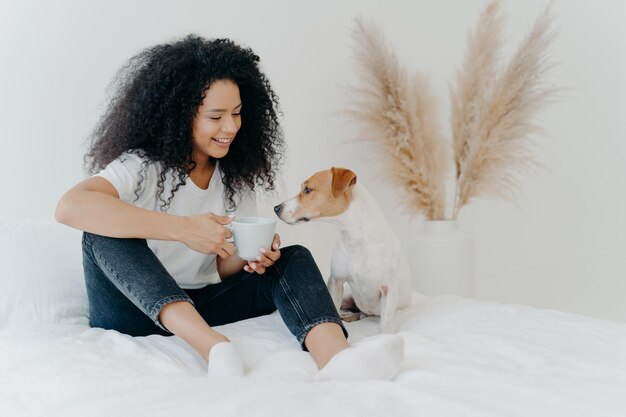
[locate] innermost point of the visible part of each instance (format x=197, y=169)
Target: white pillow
x=41, y=274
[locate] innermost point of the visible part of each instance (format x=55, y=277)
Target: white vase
x=441, y=257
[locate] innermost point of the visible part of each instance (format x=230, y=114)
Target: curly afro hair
x=156, y=97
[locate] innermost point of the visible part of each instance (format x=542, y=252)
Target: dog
x=368, y=256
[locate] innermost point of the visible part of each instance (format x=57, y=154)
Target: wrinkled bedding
x=463, y=358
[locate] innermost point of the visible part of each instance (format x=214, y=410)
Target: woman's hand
x=266, y=259
x=207, y=233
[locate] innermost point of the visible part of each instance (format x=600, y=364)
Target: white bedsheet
x=463, y=358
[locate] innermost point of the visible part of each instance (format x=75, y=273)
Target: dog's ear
x=342, y=180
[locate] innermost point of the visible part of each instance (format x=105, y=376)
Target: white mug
x=251, y=234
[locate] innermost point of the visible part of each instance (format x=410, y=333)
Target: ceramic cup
x=250, y=234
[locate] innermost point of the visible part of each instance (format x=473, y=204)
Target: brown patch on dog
x=325, y=194
x=342, y=179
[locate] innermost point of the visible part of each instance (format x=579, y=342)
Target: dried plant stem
x=492, y=141
x=474, y=81
x=492, y=112
x=399, y=116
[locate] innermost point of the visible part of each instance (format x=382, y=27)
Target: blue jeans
x=127, y=287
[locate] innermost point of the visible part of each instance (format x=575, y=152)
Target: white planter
x=441, y=257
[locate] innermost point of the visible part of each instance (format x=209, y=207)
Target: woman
x=190, y=134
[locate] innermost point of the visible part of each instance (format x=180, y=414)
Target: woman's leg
x=186, y=323
x=130, y=291
x=324, y=341
x=294, y=286
x=305, y=305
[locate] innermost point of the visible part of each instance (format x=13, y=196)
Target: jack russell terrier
x=368, y=255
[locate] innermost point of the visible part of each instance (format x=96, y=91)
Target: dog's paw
x=349, y=316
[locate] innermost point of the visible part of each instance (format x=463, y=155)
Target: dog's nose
x=278, y=208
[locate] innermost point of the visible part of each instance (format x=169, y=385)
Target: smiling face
x=324, y=194
x=217, y=121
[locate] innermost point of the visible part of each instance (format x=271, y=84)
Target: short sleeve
x=131, y=175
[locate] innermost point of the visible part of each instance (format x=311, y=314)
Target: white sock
x=377, y=357
x=225, y=360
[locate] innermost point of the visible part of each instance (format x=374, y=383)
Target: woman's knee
x=104, y=244
x=92, y=238
x=298, y=261
x=289, y=252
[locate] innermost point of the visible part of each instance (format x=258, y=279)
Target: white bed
x=463, y=357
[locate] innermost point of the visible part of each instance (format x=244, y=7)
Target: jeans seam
x=86, y=241
x=294, y=303
x=89, y=252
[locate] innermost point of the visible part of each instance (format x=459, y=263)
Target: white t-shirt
x=189, y=268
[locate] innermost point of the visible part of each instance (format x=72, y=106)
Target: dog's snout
x=278, y=208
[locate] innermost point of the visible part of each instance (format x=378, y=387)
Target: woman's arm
x=230, y=266
x=94, y=206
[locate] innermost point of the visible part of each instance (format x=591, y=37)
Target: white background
x=562, y=246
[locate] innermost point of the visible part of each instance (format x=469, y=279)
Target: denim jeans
x=127, y=286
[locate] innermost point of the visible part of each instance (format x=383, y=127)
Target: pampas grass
x=492, y=110
x=399, y=115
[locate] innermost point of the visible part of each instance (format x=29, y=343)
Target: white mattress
x=463, y=358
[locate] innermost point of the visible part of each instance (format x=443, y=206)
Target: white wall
x=562, y=247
